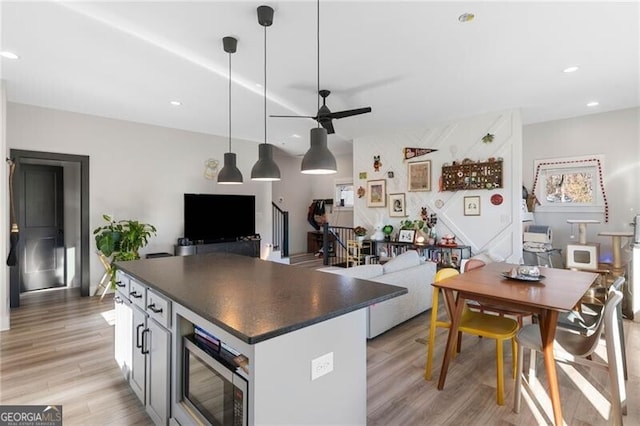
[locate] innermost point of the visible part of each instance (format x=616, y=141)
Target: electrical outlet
x=321, y=365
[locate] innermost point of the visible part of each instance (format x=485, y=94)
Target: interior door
x=41, y=221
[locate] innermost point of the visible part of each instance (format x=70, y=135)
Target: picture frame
x=377, y=193
x=397, y=205
x=472, y=206
x=419, y=176
x=406, y=235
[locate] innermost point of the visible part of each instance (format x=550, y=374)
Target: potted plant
x=360, y=232
x=122, y=240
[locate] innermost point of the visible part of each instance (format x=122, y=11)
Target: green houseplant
x=122, y=239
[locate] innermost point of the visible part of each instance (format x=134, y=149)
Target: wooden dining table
x=559, y=290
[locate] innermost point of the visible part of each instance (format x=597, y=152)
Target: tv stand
x=249, y=248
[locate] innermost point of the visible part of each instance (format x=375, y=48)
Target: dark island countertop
x=254, y=299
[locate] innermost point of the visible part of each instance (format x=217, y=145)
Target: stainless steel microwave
x=215, y=393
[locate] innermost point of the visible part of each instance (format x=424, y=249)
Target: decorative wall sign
x=362, y=175
x=210, y=168
x=419, y=175
x=496, y=199
x=472, y=206
x=410, y=153
x=376, y=163
x=377, y=193
x=397, y=205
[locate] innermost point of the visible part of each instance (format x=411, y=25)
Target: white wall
x=138, y=171
x=4, y=214
x=616, y=135
x=499, y=228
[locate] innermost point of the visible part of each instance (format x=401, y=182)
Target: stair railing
x=334, y=244
x=280, y=230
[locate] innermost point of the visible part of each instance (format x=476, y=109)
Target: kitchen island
x=281, y=318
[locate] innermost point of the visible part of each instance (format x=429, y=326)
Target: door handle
x=154, y=309
x=144, y=341
x=138, y=344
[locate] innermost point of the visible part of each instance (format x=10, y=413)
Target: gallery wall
x=497, y=229
x=138, y=171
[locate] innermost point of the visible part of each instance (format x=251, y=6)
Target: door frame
x=18, y=156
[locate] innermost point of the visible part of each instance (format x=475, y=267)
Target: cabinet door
x=122, y=335
x=137, y=378
x=158, y=369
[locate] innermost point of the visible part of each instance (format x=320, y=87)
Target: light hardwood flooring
x=60, y=351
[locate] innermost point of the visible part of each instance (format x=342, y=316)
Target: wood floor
x=60, y=351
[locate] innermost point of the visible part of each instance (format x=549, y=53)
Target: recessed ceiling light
x=570, y=69
x=295, y=135
x=466, y=17
x=9, y=55
x=258, y=85
x=175, y=103
x=593, y=104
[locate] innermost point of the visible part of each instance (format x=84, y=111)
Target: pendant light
x=265, y=168
x=318, y=160
x=230, y=174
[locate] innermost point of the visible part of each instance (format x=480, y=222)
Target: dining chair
x=573, y=347
x=586, y=319
x=477, y=324
x=486, y=307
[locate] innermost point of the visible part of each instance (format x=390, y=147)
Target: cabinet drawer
x=159, y=308
x=122, y=282
x=137, y=294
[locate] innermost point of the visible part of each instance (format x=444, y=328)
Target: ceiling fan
x=325, y=116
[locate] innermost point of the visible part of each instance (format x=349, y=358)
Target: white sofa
x=406, y=270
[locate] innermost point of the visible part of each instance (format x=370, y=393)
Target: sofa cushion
x=363, y=272
x=408, y=259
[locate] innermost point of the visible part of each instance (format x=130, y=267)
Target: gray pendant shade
x=318, y=160
x=230, y=174
x=265, y=168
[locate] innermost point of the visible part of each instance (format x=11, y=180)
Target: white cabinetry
x=123, y=326
x=148, y=343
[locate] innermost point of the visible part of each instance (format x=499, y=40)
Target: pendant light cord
x=229, y=101
x=318, y=56
x=265, y=84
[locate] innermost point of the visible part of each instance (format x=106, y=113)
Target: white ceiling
x=413, y=62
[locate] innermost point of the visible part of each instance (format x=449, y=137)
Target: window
x=570, y=184
x=344, y=194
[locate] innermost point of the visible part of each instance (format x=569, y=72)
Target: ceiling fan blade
x=294, y=116
x=350, y=112
x=329, y=126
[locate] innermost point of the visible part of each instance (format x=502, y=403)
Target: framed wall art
x=406, y=235
x=472, y=206
x=419, y=175
x=377, y=193
x=397, y=205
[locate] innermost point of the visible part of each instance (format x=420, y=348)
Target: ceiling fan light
x=318, y=160
x=230, y=174
x=265, y=168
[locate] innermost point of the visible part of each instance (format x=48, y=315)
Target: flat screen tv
x=211, y=218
